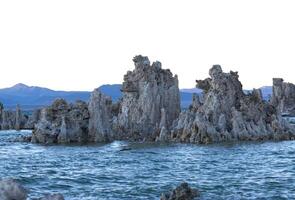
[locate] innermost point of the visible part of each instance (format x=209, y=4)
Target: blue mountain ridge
x=31, y=97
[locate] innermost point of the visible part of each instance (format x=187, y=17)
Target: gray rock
x=100, y=122
x=62, y=123
x=52, y=197
x=146, y=91
x=18, y=118
x=227, y=114
x=33, y=119
x=182, y=192
x=12, y=190
x=10, y=119
x=283, y=97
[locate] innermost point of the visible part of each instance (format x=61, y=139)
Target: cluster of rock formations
x=16, y=119
x=62, y=123
x=283, y=97
x=150, y=111
x=149, y=105
x=227, y=114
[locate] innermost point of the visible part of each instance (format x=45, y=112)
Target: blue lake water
x=228, y=171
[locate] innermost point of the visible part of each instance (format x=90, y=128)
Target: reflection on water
x=122, y=170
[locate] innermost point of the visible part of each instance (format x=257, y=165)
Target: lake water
x=229, y=171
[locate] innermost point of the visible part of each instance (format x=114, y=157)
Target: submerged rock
x=52, y=197
x=12, y=190
x=147, y=90
x=227, y=114
x=62, y=123
x=283, y=97
x=182, y=192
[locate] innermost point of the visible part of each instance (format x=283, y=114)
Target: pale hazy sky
x=79, y=45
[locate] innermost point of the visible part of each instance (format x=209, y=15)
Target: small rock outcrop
x=181, y=192
x=12, y=190
x=62, y=123
x=227, y=114
x=283, y=97
x=147, y=91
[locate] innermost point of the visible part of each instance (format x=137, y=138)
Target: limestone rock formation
x=12, y=190
x=102, y=111
x=283, y=96
x=18, y=117
x=149, y=105
x=62, y=123
x=33, y=119
x=147, y=90
x=10, y=119
x=227, y=114
x=182, y=192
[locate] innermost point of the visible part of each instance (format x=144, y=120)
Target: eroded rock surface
x=181, y=192
x=147, y=91
x=227, y=114
x=12, y=119
x=283, y=96
x=12, y=190
x=149, y=105
x=102, y=111
x=62, y=123
x=33, y=119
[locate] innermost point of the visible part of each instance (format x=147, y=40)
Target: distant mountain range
x=31, y=97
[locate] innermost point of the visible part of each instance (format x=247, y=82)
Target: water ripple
x=144, y=171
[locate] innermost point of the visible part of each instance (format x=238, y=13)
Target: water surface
x=229, y=171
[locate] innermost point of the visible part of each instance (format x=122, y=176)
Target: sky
x=80, y=45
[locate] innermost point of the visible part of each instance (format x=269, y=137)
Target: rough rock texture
x=62, y=123
x=146, y=91
x=102, y=112
x=18, y=118
x=149, y=105
x=33, y=119
x=52, y=197
x=227, y=114
x=12, y=190
x=182, y=192
x=283, y=96
x=12, y=119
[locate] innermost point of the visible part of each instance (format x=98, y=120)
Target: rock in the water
x=146, y=91
x=12, y=190
x=33, y=119
x=62, y=123
x=18, y=117
x=182, y=192
x=283, y=97
x=101, y=115
x=149, y=105
x=227, y=114
x=10, y=119
x=52, y=197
